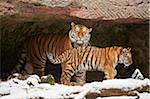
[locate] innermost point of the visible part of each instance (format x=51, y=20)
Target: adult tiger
x=38, y=47
x=80, y=59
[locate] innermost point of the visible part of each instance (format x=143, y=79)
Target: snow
x=137, y=74
x=126, y=84
x=118, y=97
x=31, y=88
x=140, y=96
x=144, y=95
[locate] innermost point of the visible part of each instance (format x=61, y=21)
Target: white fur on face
x=77, y=29
x=124, y=57
x=74, y=38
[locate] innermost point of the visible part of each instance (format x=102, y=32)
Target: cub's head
x=80, y=34
x=126, y=57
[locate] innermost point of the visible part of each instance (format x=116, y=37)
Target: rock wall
x=124, y=11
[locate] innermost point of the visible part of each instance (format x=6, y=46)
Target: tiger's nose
x=80, y=34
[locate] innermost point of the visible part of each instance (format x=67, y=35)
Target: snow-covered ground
x=30, y=88
x=140, y=96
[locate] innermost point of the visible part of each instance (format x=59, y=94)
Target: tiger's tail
x=61, y=58
x=21, y=63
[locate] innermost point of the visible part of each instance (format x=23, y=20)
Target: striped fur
x=79, y=60
x=37, y=48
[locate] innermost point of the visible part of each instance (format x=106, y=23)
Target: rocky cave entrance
x=23, y=18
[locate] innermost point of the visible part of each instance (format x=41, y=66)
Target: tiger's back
x=47, y=43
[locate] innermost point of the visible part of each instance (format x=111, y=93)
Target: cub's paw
x=73, y=84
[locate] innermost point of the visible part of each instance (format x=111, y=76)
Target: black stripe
x=90, y=61
x=34, y=49
x=84, y=52
x=84, y=65
x=80, y=72
x=136, y=75
x=22, y=64
x=105, y=54
x=100, y=54
x=78, y=59
x=88, y=55
x=37, y=57
x=37, y=49
x=39, y=66
x=79, y=75
x=73, y=66
x=40, y=55
x=41, y=48
x=96, y=56
x=108, y=53
x=92, y=58
x=92, y=68
x=53, y=45
x=67, y=74
x=50, y=45
x=70, y=70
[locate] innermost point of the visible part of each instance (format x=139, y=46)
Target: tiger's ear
x=72, y=24
x=90, y=29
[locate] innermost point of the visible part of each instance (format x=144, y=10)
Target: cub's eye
x=125, y=54
x=74, y=34
x=84, y=29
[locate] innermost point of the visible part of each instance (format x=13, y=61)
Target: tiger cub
x=37, y=48
x=79, y=60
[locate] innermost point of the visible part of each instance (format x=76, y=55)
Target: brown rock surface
x=126, y=11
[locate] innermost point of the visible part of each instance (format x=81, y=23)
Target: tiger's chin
x=78, y=42
x=126, y=65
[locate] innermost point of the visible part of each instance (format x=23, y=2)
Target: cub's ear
x=129, y=48
x=72, y=24
x=90, y=29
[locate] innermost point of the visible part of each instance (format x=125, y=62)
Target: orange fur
x=79, y=60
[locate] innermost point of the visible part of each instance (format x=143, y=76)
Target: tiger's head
x=125, y=57
x=79, y=34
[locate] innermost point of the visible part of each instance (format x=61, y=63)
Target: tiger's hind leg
x=34, y=67
x=31, y=68
x=28, y=69
x=39, y=68
x=21, y=63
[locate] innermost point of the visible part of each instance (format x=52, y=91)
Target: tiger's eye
x=77, y=29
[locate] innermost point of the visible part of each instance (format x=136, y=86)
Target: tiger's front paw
x=73, y=84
